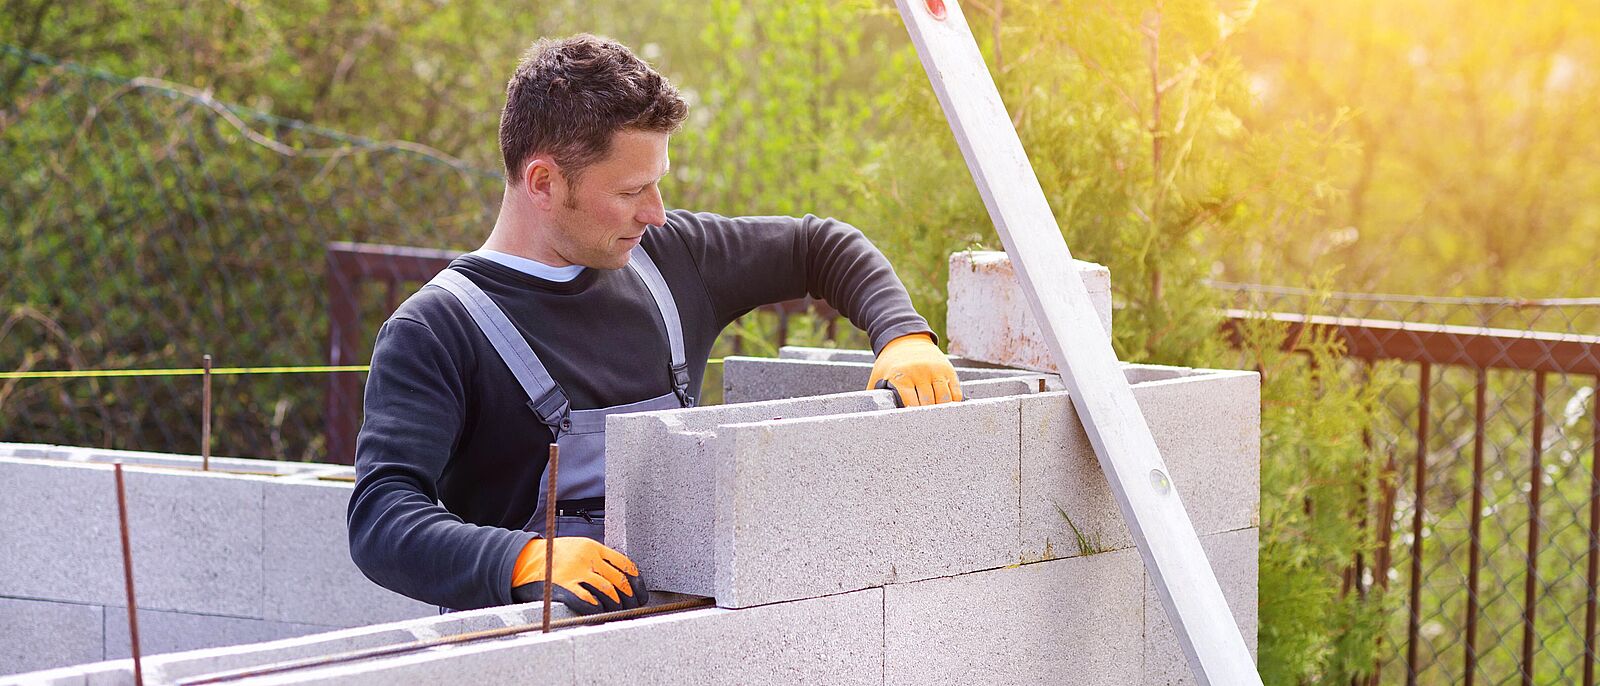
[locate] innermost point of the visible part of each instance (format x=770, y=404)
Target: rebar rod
x=127, y=575
x=550, y=531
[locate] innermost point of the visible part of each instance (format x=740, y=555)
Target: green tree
x=1475, y=171
x=1138, y=120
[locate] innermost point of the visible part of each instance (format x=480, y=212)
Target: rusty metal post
x=1530, y=588
x=127, y=575
x=1420, y=489
x=1382, y=559
x=205, y=416
x=344, y=390
x=550, y=531
x=1475, y=551
x=1594, y=540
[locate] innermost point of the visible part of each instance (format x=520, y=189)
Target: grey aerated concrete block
x=830, y=640
x=752, y=379
x=170, y=632
x=531, y=658
x=37, y=634
x=1207, y=427
x=225, y=465
x=35, y=451
x=1233, y=557
x=1076, y=621
x=108, y=673
x=801, y=352
x=657, y=470
x=989, y=316
x=309, y=576
x=196, y=538
x=194, y=664
x=809, y=507
x=1137, y=373
x=1002, y=388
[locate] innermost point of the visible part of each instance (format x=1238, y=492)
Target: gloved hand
x=918, y=370
x=589, y=577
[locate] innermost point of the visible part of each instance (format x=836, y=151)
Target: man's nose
x=654, y=212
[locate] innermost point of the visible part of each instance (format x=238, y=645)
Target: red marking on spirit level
x=936, y=8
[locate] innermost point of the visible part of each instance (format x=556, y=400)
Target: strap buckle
x=554, y=411
x=680, y=384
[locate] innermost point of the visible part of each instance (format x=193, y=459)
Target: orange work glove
x=589, y=577
x=917, y=370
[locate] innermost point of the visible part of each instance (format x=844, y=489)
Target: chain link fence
x=1490, y=496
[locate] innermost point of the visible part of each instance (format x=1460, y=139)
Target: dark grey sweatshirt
x=449, y=455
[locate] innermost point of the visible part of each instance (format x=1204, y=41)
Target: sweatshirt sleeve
x=400, y=536
x=747, y=262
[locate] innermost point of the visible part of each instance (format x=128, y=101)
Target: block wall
x=846, y=541
x=250, y=551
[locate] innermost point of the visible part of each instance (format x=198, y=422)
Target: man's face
x=596, y=221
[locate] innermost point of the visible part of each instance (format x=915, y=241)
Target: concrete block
x=809, y=507
x=169, y=632
x=196, y=538
x=804, y=352
x=801, y=352
x=661, y=484
x=1207, y=426
x=532, y=658
x=710, y=417
x=309, y=577
x=1137, y=373
x=658, y=465
x=108, y=673
x=193, y=664
x=1077, y=621
x=989, y=318
x=226, y=465
x=1067, y=506
x=36, y=451
x=837, y=639
x=752, y=379
x=1145, y=373
x=36, y=634
x=231, y=465
x=1003, y=388
x=831, y=640
x=1233, y=557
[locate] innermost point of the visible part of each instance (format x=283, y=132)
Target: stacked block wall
x=254, y=553
x=849, y=542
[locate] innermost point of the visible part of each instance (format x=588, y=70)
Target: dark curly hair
x=569, y=95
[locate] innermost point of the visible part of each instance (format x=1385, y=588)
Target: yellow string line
x=220, y=371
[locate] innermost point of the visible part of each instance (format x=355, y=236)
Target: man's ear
x=542, y=181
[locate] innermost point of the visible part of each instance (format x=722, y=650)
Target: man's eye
x=633, y=193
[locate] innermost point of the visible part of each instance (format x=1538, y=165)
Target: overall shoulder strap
x=641, y=264
x=544, y=395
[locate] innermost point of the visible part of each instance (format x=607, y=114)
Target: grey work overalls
x=581, y=434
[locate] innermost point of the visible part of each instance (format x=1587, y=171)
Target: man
x=588, y=298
